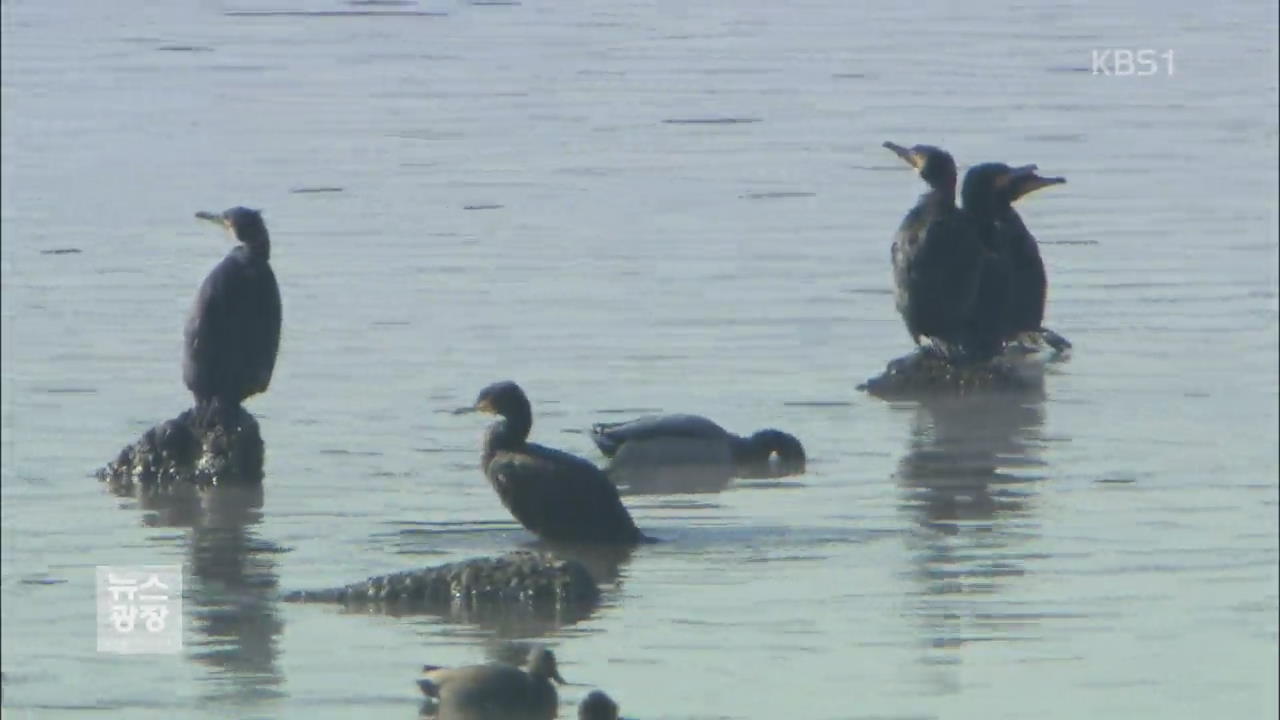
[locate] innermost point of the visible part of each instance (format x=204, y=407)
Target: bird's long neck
x=1010, y=217
x=509, y=433
x=986, y=216
x=745, y=451
x=941, y=195
x=984, y=204
x=258, y=248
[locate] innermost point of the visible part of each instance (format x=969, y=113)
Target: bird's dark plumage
x=555, y=495
x=937, y=256
x=233, y=332
x=1012, y=292
x=1028, y=280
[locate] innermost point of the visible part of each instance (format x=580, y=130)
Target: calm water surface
x=515, y=191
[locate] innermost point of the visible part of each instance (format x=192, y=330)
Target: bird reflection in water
x=604, y=562
x=232, y=623
x=968, y=482
x=971, y=458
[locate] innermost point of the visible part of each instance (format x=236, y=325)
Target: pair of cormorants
x=969, y=279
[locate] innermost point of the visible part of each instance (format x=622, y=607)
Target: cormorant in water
x=650, y=452
x=495, y=691
x=233, y=331
x=1011, y=292
x=937, y=257
x=555, y=495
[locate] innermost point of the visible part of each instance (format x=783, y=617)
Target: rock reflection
x=968, y=482
x=231, y=615
x=971, y=458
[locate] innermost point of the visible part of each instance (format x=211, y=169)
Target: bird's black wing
x=988, y=318
x=233, y=332
x=1028, y=281
x=942, y=278
x=906, y=245
x=559, y=496
x=264, y=315
x=207, y=362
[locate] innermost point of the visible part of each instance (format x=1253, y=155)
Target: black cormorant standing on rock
x=555, y=495
x=1012, y=289
x=1028, y=281
x=937, y=257
x=233, y=332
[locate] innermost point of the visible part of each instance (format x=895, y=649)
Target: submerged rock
x=194, y=449
x=480, y=590
x=926, y=374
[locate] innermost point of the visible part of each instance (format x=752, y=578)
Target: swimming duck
x=554, y=495
x=495, y=691
x=689, y=453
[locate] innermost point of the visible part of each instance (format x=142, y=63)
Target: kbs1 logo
x=1126, y=62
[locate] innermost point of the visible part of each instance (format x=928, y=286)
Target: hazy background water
x=521, y=199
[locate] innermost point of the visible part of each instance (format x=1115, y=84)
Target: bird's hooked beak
x=555, y=675
x=482, y=405
x=909, y=156
x=213, y=218
x=220, y=219
x=1024, y=180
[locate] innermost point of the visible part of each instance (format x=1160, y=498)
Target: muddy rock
x=193, y=450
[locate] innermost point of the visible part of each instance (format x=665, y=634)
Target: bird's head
x=501, y=398
x=542, y=663
x=935, y=165
x=244, y=224
x=776, y=453
x=994, y=186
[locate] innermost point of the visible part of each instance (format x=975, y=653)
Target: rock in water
x=195, y=449
x=926, y=374
x=480, y=590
